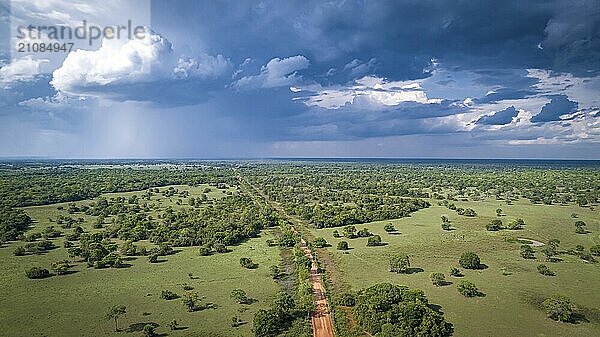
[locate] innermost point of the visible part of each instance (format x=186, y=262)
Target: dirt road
x=322, y=324
x=321, y=319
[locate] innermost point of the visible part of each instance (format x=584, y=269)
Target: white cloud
x=370, y=91
x=135, y=61
x=276, y=73
x=24, y=69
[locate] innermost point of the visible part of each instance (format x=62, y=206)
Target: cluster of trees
x=391, y=310
x=13, y=223
x=496, y=224
x=27, y=184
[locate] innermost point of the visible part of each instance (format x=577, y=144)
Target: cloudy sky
x=217, y=79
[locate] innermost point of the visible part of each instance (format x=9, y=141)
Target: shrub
x=400, y=264
x=494, y=225
x=446, y=226
x=61, y=267
x=438, y=279
x=374, y=241
x=544, y=270
x=168, y=295
x=247, y=263
x=470, y=260
x=559, y=308
x=240, y=296
x=467, y=289
x=346, y=299
x=527, y=252
x=37, y=272
x=319, y=243
x=595, y=250
x=342, y=245
x=389, y=228
x=455, y=272
x=516, y=224
x=204, y=250
x=363, y=233
x=153, y=258
x=19, y=251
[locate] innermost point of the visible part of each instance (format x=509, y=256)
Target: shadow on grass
x=137, y=327
x=414, y=270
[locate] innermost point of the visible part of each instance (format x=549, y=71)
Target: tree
x=247, y=263
x=494, y=225
x=173, y=325
x=516, y=224
x=349, y=232
x=363, y=233
x=240, y=296
x=527, y=252
x=61, y=267
x=336, y=234
x=446, y=226
x=191, y=300
x=470, y=260
x=37, y=272
x=153, y=258
x=274, y=271
x=438, y=279
x=389, y=228
x=374, y=241
x=320, y=242
x=544, y=270
x=579, y=227
x=595, y=250
x=498, y=211
x=455, y=272
x=386, y=309
x=444, y=219
x=19, y=251
x=114, y=313
x=559, y=308
x=467, y=289
x=149, y=330
x=400, y=263
x=550, y=252
x=266, y=323
x=554, y=243
x=204, y=250
x=168, y=295
x=342, y=245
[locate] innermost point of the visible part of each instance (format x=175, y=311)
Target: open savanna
x=511, y=284
x=74, y=304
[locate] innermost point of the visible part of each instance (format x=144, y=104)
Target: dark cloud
x=501, y=117
x=558, y=106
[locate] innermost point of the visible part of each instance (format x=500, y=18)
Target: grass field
x=74, y=304
x=508, y=307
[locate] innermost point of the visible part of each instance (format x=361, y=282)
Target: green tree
x=240, y=296
x=247, y=262
x=438, y=279
x=455, y=272
x=527, y=252
x=191, y=301
x=149, y=330
x=61, y=267
x=342, y=245
x=374, y=241
x=467, y=289
x=559, y=308
x=400, y=263
x=320, y=242
x=114, y=313
x=37, y=272
x=516, y=224
x=349, y=232
x=494, y=225
x=469, y=260
x=389, y=228
x=544, y=270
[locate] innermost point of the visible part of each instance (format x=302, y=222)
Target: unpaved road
x=322, y=324
x=321, y=318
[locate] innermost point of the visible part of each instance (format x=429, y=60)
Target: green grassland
x=74, y=304
x=511, y=284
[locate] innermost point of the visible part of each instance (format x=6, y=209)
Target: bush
x=363, y=233
x=61, y=267
x=247, y=263
x=240, y=296
x=527, y=252
x=595, y=250
x=467, y=289
x=168, y=295
x=544, y=270
x=19, y=251
x=320, y=243
x=385, y=309
x=400, y=264
x=559, y=308
x=469, y=260
x=516, y=224
x=455, y=272
x=389, y=228
x=346, y=299
x=153, y=258
x=494, y=225
x=37, y=272
x=438, y=279
x=342, y=245
x=374, y=241
x=446, y=226
x=204, y=250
